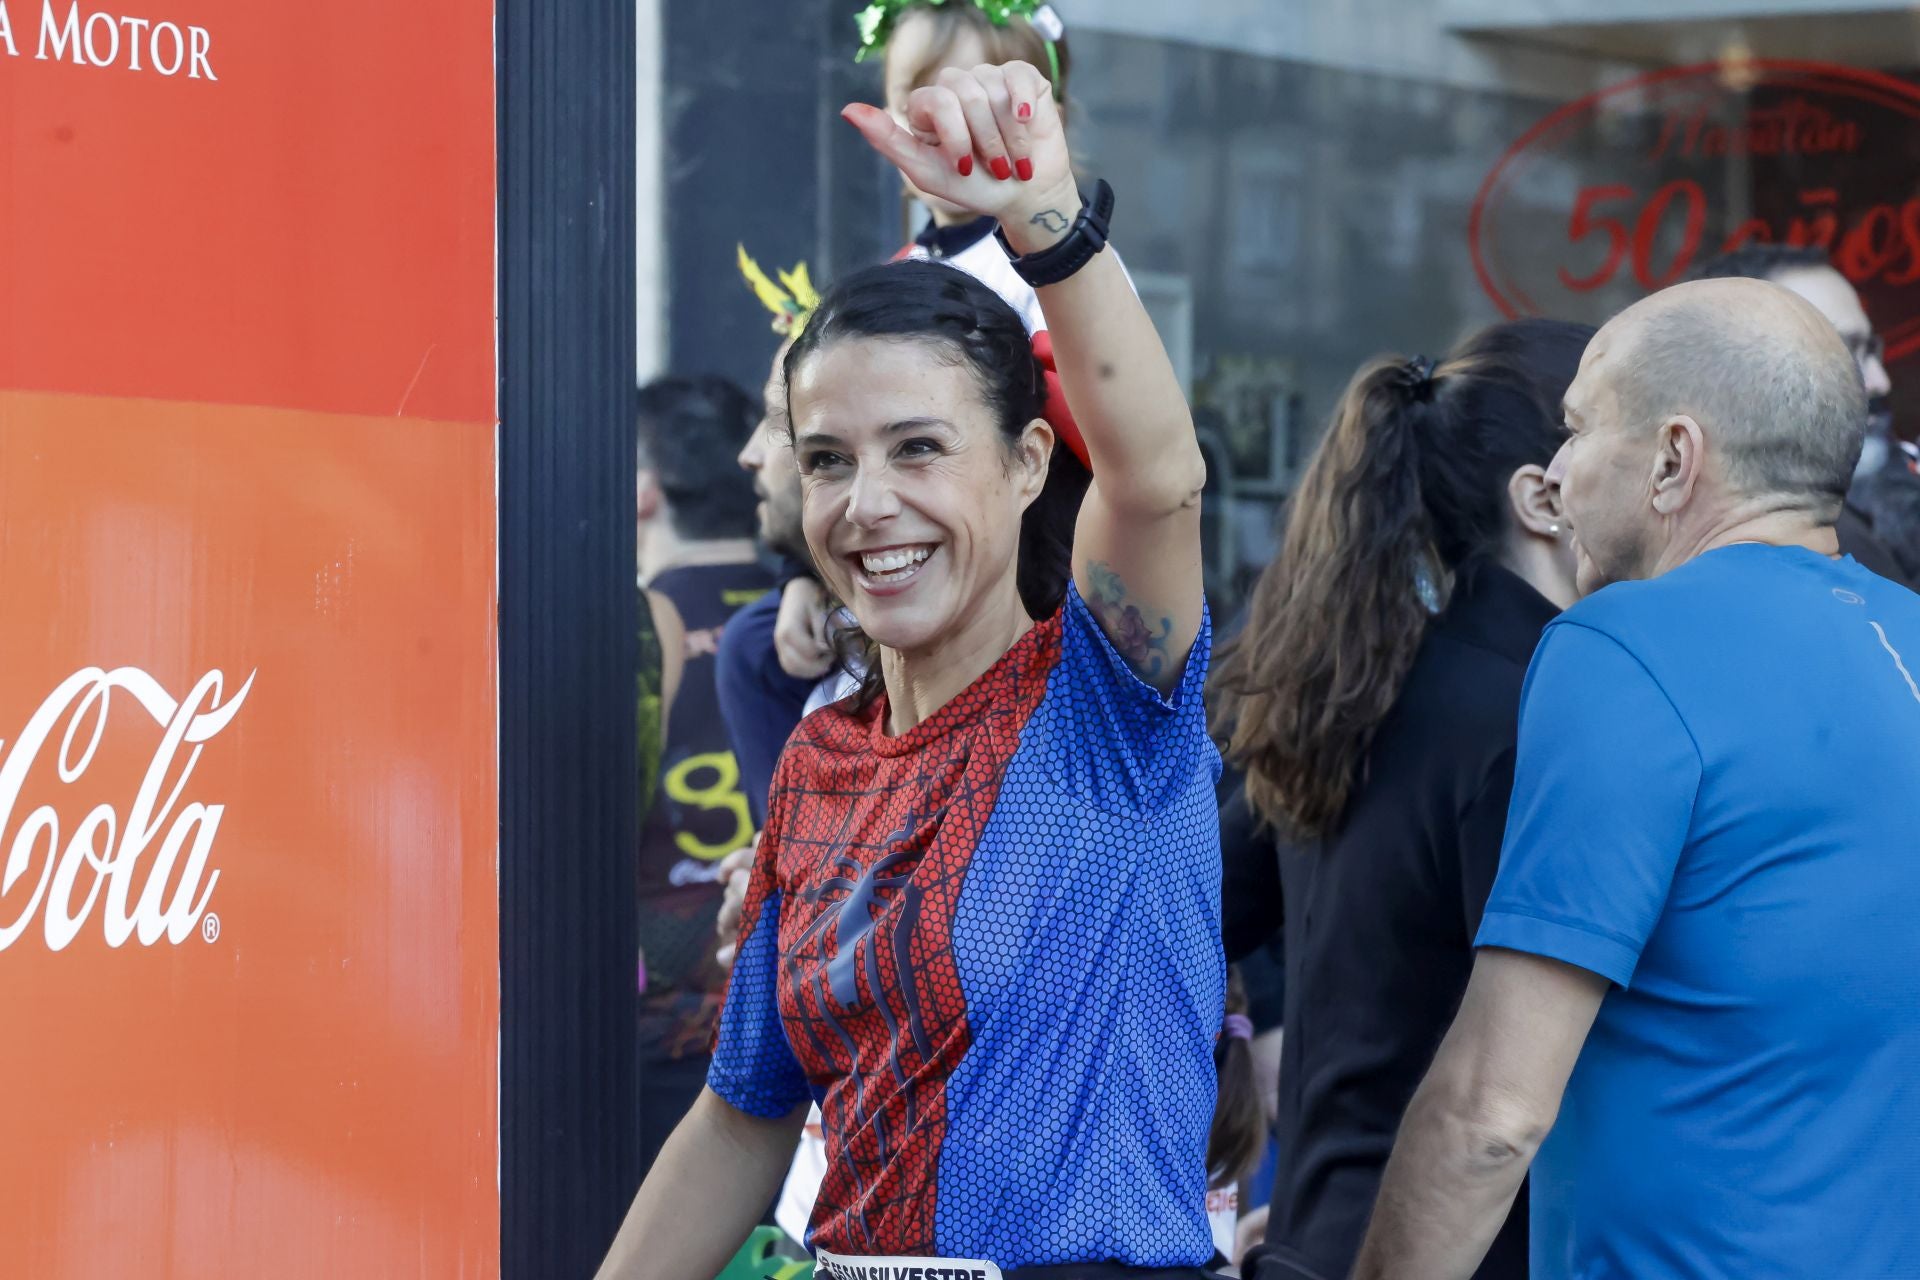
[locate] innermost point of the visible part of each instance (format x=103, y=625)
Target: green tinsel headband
x=877, y=20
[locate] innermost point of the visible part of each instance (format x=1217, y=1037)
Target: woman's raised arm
x=1136, y=554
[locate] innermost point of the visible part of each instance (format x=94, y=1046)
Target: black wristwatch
x=1087, y=237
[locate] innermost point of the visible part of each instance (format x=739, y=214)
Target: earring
x=1554, y=529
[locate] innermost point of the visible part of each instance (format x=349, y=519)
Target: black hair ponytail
x=1407, y=489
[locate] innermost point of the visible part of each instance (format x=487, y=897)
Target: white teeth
x=893, y=561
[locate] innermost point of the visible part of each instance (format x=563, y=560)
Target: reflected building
x=1304, y=186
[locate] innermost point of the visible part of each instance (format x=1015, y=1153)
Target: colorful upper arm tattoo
x=1141, y=638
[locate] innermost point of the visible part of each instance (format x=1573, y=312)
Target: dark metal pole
x=569, y=1123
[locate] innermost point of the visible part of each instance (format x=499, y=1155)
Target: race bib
x=830, y=1266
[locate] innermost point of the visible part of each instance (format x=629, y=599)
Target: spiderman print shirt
x=990, y=949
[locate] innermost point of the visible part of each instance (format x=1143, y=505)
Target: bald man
x=1695, y=999
x=1806, y=270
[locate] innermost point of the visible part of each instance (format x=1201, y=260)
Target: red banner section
x=310, y=224
x=248, y=895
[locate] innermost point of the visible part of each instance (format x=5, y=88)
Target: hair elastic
x=1420, y=368
x=1238, y=1026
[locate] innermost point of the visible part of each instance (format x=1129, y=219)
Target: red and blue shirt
x=990, y=949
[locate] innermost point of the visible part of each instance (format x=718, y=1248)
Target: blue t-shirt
x=1716, y=806
x=990, y=948
x=759, y=702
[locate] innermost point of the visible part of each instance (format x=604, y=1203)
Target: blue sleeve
x=753, y=1066
x=1603, y=794
x=1124, y=741
x=760, y=703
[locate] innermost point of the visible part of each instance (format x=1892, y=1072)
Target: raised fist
x=988, y=140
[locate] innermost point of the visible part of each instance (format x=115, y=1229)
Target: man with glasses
x=1806, y=270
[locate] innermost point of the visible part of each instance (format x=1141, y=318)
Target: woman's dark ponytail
x=1336, y=619
x=1238, y=1137
x=1046, y=535
x=1407, y=490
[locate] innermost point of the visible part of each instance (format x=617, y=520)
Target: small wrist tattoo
x=1051, y=220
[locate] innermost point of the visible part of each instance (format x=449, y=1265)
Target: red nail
x=966, y=166
x=1001, y=169
x=1024, y=111
x=1024, y=167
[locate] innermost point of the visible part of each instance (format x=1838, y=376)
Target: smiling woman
x=944, y=940
x=934, y=502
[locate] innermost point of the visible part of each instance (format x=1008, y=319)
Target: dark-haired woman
x=1373, y=698
x=982, y=928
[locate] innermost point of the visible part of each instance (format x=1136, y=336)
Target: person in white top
x=920, y=41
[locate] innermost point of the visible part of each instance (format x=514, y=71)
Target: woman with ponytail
x=1372, y=700
x=982, y=925
x=1239, y=1133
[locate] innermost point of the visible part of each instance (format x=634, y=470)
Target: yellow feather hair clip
x=792, y=301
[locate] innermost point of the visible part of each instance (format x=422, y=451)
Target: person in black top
x=1372, y=698
x=1891, y=500
x=697, y=564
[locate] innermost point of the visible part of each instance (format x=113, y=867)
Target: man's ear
x=1679, y=460
x=1534, y=501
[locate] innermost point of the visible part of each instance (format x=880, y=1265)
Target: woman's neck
x=953, y=218
x=919, y=683
x=1541, y=565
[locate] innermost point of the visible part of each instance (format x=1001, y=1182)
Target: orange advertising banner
x=249, y=990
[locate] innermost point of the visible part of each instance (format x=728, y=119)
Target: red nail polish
x=1024, y=111
x=966, y=166
x=1001, y=169
x=1024, y=167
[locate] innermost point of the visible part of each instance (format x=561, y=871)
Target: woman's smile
x=886, y=571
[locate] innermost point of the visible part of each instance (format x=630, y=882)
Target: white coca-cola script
x=108, y=851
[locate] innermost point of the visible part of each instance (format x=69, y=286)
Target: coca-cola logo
x=1626, y=190
x=144, y=870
